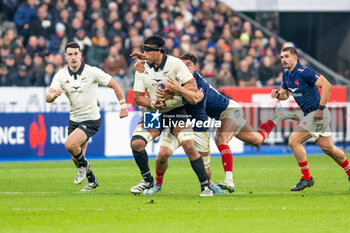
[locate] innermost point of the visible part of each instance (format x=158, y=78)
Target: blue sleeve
x=284, y=85
x=19, y=17
x=310, y=76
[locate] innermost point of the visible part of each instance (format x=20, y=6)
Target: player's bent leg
x=296, y=140
x=328, y=147
x=248, y=135
x=223, y=136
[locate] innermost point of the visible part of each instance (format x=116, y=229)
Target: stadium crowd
x=231, y=52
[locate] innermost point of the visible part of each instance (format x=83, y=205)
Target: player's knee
x=164, y=153
x=220, y=139
x=70, y=146
x=137, y=143
x=327, y=149
x=292, y=143
x=188, y=146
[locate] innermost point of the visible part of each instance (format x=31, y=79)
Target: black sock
x=198, y=168
x=141, y=159
x=82, y=162
x=90, y=176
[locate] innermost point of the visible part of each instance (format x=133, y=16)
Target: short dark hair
x=291, y=50
x=73, y=45
x=154, y=40
x=189, y=56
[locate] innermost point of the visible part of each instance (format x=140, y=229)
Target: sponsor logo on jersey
x=293, y=89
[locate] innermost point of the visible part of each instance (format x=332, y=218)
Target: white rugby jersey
x=81, y=90
x=153, y=76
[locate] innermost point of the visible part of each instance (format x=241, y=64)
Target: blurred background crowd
x=231, y=52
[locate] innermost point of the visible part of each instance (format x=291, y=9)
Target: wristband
x=52, y=96
x=321, y=107
x=153, y=104
x=123, y=104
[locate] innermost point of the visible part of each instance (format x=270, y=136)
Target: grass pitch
x=41, y=197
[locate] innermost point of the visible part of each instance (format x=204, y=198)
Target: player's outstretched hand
x=318, y=115
x=139, y=67
x=123, y=113
x=138, y=55
x=173, y=85
x=274, y=93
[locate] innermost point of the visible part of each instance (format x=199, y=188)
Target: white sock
x=228, y=177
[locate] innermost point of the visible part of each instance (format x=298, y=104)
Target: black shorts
x=89, y=127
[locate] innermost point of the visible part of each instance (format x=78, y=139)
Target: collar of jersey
x=295, y=69
x=71, y=73
x=161, y=65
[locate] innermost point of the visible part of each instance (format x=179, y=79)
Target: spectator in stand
x=11, y=63
x=10, y=39
x=24, y=16
x=46, y=78
x=22, y=79
x=244, y=76
x=58, y=61
x=98, y=52
x=38, y=68
x=58, y=40
x=225, y=77
x=42, y=49
x=9, y=8
x=116, y=29
x=6, y=78
x=32, y=45
x=238, y=50
x=83, y=40
x=266, y=72
x=18, y=53
x=185, y=44
x=163, y=20
x=28, y=62
x=208, y=70
x=115, y=64
x=42, y=25
x=4, y=52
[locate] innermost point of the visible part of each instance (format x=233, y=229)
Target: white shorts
x=201, y=141
x=234, y=112
x=317, y=128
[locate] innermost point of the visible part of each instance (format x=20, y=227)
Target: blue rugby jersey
x=216, y=103
x=198, y=111
x=301, y=84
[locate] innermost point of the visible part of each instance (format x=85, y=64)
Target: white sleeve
x=56, y=81
x=101, y=77
x=183, y=74
x=138, y=83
